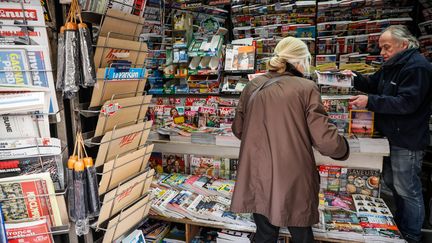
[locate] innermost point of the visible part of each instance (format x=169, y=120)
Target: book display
x=116, y=122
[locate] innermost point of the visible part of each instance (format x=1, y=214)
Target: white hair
x=401, y=33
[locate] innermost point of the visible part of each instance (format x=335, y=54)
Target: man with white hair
x=400, y=94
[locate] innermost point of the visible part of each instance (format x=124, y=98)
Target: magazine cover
x=135, y=237
x=15, y=148
x=29, y=187
x=29, y=232
x=12, y=14
x=373, y=44
x=156, y=163
x=24, y=200
x=379, y=227
x=334, y=79
x=366, y=205
x=233, y=84
x=340, y=220
x=361, y=123
x=239, y=58
x=23, y=35
x=233, y=168
x=226, y=115
x=333, y=199
x=173, y=163
x=35, y=66
x=13, y=126
x=363, y=181
x=208, y=117
x=205, y=166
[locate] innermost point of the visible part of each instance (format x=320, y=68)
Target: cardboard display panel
x=123, y=167
x=122, y=196
x=122, y=140
x=128, y=219
x=111, y=84
x=122, y=112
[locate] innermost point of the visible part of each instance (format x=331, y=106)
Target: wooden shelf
x=191, y=228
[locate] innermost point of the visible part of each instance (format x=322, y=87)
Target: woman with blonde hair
x=280, y=119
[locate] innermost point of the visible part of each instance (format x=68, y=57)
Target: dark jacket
x=400, y=94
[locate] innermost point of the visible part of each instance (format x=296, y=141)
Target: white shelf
x=357, y=159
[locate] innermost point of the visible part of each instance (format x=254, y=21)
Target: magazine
x=233, y=84
x=337, y=108
x=240, y=58
x=37, y=231
x=24, y=125
x=334, y=79
x=29, y=147
x=234, y=163
x=174, y=163
x=380, y=228
x=25, y=200
x=204, y=166
x=339, y=220
x=13, y=14
x=135, y=237
x=23, y=35
x=31, y=66
x=366, y=205
x=361, y=123
x=363, y=181
x=34, y=165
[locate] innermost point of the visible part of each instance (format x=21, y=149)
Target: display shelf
x=225, y=95
x=357, y=158
x=217, y=51
x=239, y=71
x=189, y=222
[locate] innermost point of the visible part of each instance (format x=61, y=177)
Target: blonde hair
x=290, y=50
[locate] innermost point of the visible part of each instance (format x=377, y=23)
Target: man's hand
x=359, y=101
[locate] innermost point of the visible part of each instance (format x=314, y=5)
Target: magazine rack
x=40, y=154
x=126, y=137
x=129, y=218
x=207, y=83
x=119, y=113
x=124, y=195
x=108, y=86
x=119, y=144
x=124, y=166
x=110, y=47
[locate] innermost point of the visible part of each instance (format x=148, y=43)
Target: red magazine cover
x=29, y=232
x=25, y=201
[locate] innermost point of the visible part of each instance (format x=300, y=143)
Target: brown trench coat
x=277, y=175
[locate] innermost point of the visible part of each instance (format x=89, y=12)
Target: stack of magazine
x=198, y=198
x=31, y=165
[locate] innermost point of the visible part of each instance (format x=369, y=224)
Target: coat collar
x=289, y=72
x=400, y=59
